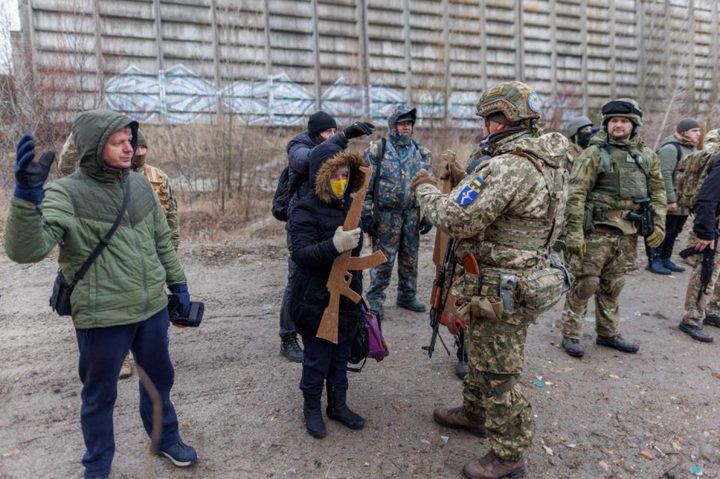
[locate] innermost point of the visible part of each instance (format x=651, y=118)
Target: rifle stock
x=338, y=283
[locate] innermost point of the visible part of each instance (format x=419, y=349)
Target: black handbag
x=62, y=289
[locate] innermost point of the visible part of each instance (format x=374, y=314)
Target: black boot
x=696, y=332
x=337, y=408
x=573, y=347
x=617, y=342
x=313, y=416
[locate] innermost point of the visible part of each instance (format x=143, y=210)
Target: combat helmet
x=514, y=99
x=576, y=124
x=622, y=107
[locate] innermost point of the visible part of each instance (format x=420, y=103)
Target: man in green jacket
x=120, y=304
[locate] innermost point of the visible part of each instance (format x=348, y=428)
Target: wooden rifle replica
x=338, y=283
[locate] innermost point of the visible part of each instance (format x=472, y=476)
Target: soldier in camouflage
x=704, y=308
x=616, y=170
x=391, y=215
x=160, y=182
x=506, y=214
x=579, y=132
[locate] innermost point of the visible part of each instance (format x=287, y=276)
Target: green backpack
x=692, y=171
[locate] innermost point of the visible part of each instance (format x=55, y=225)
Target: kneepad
x=586, y=287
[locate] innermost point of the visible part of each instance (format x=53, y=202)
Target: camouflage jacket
x=396, y=174
x=506, y=212
x=160, y=182
x=594, y=168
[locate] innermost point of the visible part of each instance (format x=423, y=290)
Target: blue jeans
x=324, y=360
x=102, y=351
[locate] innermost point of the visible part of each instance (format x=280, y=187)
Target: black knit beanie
x=319, y=122
x=687, y=124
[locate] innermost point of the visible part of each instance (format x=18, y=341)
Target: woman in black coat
x=317, y=238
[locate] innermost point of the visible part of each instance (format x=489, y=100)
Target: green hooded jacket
x=126, y=282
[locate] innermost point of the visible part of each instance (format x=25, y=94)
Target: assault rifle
x=708, y=264
x=338, y=283
x=644, y=221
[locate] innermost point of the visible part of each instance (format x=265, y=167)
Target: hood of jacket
x=353, y=160
x=91, y=131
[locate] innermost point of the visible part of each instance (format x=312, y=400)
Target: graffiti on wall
x=179, y=95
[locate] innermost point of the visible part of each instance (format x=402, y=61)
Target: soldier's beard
x=138, y=162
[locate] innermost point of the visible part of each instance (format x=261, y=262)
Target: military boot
x=657, y=267
x=338, y=410
x=376, y=305
x=617, y=342
x=313, y=416
x=290, y=348
x=461, y=369
x=492, y=467
x=669, y=264
x=712, y=320
x=573, y=347
x=411, y=304
x=696, y=332
x=458, y=418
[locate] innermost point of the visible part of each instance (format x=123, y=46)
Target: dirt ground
x=610, y=415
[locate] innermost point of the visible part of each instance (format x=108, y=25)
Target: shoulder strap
x=605, y=155
x=106, y=239
x=376, y=183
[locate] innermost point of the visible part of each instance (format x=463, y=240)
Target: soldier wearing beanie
x=321, y=130
x=672, y=150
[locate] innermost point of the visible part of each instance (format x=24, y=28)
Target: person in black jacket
x=317, y=238
x=705, y=236
x=321, y=130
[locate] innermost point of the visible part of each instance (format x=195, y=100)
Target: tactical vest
x=534, y=233
x=622, y=180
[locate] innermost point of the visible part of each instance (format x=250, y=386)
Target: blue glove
x=31, y=175
x=424, y=226
x=180, y=291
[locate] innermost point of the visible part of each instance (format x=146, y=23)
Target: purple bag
x=368, y=341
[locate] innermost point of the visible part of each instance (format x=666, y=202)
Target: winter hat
x=687, y=124
x=319, y=122
x=141, y=139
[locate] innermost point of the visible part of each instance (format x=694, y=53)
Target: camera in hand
x=192, y=318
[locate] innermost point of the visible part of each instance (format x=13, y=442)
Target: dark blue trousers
x=324, y=360
x=102, y=351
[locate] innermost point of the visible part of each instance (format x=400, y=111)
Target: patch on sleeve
x=468, y=194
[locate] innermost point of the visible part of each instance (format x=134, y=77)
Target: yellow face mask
x=338, y=187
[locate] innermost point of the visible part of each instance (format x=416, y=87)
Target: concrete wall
x=275, y=61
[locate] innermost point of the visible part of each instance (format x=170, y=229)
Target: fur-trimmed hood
x=323, y=169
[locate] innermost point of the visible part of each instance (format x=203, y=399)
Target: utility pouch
x=60, y=298
x=479, y=308
x=541, y=289
x=589, y=216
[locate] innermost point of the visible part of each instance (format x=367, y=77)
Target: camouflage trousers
x=695, y=310
x=397, y=237
x=601, y=272
x=496, y=353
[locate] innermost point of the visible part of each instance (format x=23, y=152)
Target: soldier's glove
x=424, y=226
x=451, y=167
x=30, y=175
x=346, y=240
x=422, y=178
x=368, y=225
x=180, y=291
x=575, y=246
x=655, y=238
x=357, y=129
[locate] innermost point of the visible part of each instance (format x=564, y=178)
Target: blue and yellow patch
x=468, y=194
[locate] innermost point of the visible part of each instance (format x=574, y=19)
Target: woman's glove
x=345, y=240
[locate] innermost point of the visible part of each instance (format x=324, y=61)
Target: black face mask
x=583, y=138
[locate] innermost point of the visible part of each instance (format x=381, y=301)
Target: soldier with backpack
x=699, y=191
x=672, y=150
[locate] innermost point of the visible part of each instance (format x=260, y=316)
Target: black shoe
x=617, y=342
x=412, y=304
x=291, y=349
x=573, y=347
x=712, y=320
x=461, y=369
x=668, y=263
x=696, y=332
x=313, y=416
x=338, y=410
x=656, y=266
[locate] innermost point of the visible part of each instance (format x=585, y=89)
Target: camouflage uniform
x=159, y=181
x=398, y=215
x=507, y=214
x=609, y=181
